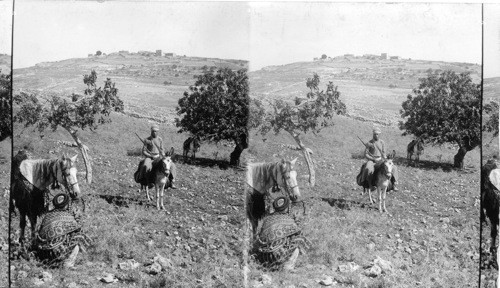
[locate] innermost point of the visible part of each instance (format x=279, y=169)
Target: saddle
x=370, y=181
x=59, y=232
x=146, y=179
x=279, y=236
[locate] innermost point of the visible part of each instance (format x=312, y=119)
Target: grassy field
x=430, y=235
x=199, y=233
x=5, y=154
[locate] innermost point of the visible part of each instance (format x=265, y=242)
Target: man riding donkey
x=152, y=150
x=375, y=153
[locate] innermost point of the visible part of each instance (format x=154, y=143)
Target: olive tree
x=5, y=106
x=304, y=115
x=216, y=108
x=73, y=114
x=445, y=108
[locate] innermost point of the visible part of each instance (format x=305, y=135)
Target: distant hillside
x=372, y=89
x=491, y=89
x=5, y=61
x=149, y=85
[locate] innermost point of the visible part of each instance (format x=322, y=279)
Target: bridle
x=285, y=175
x=66, y=174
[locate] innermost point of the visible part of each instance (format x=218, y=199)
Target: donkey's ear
x=293, y=161
x=171, y=151
x=63, y=157
x=73, y=159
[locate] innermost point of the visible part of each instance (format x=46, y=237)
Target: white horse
x=29, y=188
x=263, y=176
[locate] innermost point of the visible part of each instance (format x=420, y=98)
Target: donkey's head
x=166, y=161
x=386, y=168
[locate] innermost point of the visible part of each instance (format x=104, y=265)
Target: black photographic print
x=249, y=144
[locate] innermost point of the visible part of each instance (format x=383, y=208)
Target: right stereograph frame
x=490, y=164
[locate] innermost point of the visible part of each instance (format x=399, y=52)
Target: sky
x=5, y=27
x=264, y=33
x=57, y=30
x=283, y=33
x=491, y=40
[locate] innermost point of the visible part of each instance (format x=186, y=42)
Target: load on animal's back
x=191, y=145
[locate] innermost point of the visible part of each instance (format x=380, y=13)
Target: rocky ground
x=194, y=243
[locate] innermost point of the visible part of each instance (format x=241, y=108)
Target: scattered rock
x=371, y=246
x=349, y=267
x=266, y=279
x=108, y=278
x=129, y=265
x=223, y=217
x=155, y=268
x=385, y=265
x=327, y=281
x=373, y=271
x=164, y=262
x=46, y=276
x=72, y=285
x=257, y=284
x=22, y=274
x=38, y=282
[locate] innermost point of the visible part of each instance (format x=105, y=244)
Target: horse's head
x=66, y=174
x=289, y=177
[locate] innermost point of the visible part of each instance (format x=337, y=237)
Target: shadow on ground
x=347, y=204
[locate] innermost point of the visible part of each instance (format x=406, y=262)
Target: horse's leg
x=32, y=218
x=250, y=215
x=494, y=231
x=22, y=225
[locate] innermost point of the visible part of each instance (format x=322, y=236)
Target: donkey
x=192, y=144
x=29, y=188
x=159, y=177
x=416, y=147
x=381, y=178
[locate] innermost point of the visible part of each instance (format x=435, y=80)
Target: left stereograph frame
x=6, y=8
